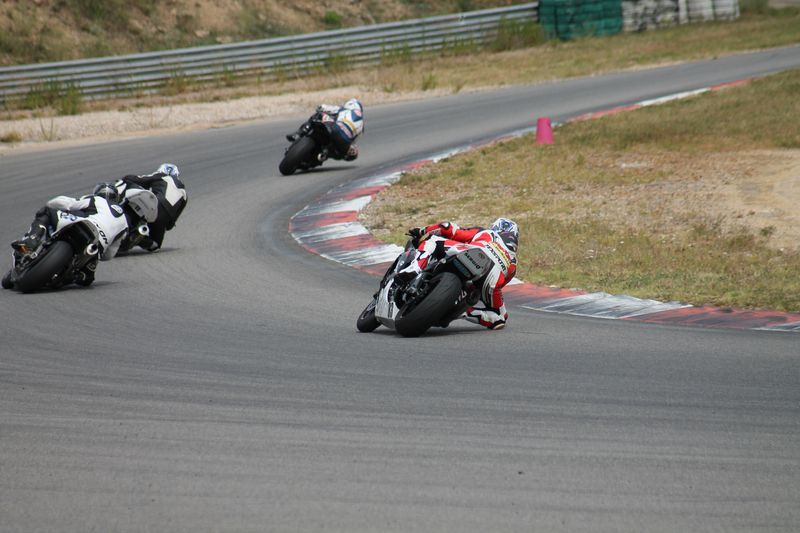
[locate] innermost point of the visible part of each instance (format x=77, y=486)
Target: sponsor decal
x=469, y=258
x=117, y=209
x=100, y=232
x=501, y=255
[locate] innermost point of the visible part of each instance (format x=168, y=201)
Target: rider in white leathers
x=111, y=215
x=166, y=184
x=346, y=126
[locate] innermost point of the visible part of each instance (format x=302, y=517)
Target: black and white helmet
x=508, y=231
x=107, y=191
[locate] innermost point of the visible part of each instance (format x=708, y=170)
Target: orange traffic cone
x=544, y=131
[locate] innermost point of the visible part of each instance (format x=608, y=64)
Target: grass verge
x=657, y=203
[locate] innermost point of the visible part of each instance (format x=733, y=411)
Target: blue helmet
x=508, y=231
x=169, y=169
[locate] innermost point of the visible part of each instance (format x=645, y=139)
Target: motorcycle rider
x=172, y=199
x=500, y=242
x=110, y=213
x=346, y=126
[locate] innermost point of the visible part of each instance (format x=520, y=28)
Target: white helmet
x=353, y=104
x=169, y=169
x=143, y=202
x=508, y=231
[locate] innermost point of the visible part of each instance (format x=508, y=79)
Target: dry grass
x=634, y=203
x=458, y=69
x=11, y=137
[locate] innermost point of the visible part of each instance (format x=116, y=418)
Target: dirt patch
x=766, y=195
x=757, y=189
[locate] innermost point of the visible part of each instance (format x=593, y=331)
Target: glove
x=416, y=235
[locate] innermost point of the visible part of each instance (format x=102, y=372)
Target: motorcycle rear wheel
x=366, y=320
x=435, y=306
x=302, y=149
x=43, y=271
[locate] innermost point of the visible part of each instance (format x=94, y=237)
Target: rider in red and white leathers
x=498, y=241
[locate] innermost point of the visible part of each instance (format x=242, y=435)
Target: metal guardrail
x=268, y=58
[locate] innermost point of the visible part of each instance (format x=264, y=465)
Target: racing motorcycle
x=62, y=255
x=440, y=293
x=58, y=261
x=311, y=147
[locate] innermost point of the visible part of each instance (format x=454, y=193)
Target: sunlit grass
x=618, y=204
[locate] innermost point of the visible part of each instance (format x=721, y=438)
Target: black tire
x=54, y=261
x=298, y=152
x=435, y=306
x=7, y=283
x=366, y=320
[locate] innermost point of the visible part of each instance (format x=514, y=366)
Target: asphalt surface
x=221, y=385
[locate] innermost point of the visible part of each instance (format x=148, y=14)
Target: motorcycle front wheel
x=416, y=320
x=366, y=320
x=302, y=150
x=55, y=260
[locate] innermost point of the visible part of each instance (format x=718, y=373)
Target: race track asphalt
x=221, y=385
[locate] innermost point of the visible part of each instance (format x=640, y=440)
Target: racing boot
x=32, y=240
x=304, y=129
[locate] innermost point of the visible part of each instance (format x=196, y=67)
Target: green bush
x=516, y=34
x=70, y=102
x=755, y=7
x=332, y=19
x=109, y=13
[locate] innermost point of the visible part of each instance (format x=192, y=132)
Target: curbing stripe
x=604, y=305
x=794, y=326
x=721, y=317
x=366, y=256
x=329, y=232
x=356, y=204
x=329, y=228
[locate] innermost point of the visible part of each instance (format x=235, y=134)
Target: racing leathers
x=108, y=218
x=493, y=314
x=172, y=200
x=345, y=124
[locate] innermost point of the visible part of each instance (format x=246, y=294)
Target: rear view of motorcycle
x=310, y=148
x=440, y=293
x=59, y=260
x=69, y=251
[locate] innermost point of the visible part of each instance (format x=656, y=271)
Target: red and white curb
x=329, y=227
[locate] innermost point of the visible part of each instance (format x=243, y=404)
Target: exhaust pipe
x=92, y=249
x=144, y=230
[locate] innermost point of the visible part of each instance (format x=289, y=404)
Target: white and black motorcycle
x=61, y=258
x=440, y=293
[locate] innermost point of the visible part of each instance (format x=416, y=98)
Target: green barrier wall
x=568, y=19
